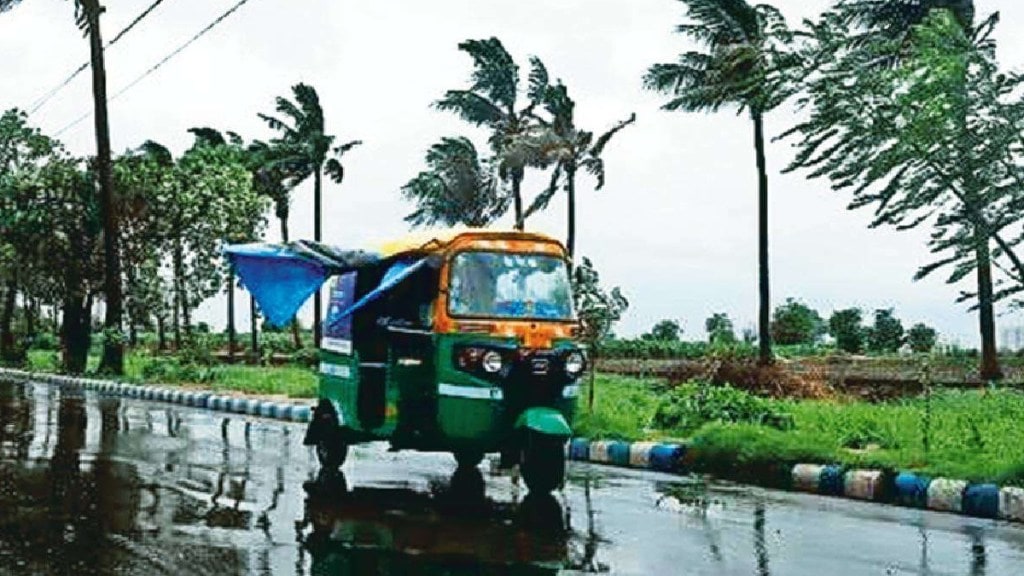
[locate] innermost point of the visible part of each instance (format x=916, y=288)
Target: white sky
x=675, y=225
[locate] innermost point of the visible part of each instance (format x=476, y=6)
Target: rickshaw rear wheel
x=468, y=458
x=331, y=454
x=542, y=463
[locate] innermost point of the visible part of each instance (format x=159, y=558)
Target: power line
x=158, y=64
x=53, y=92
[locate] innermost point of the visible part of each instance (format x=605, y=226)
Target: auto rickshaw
x=459, y=342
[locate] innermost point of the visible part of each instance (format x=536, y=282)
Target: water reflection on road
x=91, y=484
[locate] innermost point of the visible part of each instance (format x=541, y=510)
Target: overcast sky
x=675, y=226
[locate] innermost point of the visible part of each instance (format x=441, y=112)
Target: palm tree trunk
x=570, y=188
x=989, y=355
x=113, y=348
x=283, y=217
x=231, y=315
x=764, y=301
x=317, y=181
x=517, y=199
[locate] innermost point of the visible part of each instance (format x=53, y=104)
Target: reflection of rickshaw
x=459, y=342
x=370, y=530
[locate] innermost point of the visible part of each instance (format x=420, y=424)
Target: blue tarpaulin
x=281, y=277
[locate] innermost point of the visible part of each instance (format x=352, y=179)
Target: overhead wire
x=42, y=100
x=156, y=66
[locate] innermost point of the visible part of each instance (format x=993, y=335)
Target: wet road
x=100, y=485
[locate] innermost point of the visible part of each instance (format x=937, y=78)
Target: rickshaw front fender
x=547, y=421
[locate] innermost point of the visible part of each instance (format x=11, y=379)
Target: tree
x=560, y=142
x=746, y=64
x=492, y=101
x=456, y=188
x=910, y=112
x=922, y=338
x=597, y=309
x=665, y=331
x=886, y=335
x=308, y=151
x=845, y=326
x=796, y=323
x=719, y=329
x=23, y=148
x=87, y=16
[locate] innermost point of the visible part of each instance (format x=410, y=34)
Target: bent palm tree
x=87, y=16
x=491, y=101
x=744, y=64
x=457, y=187
x=560, y=142
x=309, y=151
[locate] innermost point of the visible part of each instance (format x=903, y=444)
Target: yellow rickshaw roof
x=438, y=240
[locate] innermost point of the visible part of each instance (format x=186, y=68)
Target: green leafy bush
x=689, y=406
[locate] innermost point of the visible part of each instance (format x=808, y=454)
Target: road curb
x=908, y=489
x=204, y=399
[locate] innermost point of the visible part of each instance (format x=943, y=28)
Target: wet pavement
x=102, y=485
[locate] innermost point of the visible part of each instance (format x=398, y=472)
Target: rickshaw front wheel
x=542, y=462
x=331, y=454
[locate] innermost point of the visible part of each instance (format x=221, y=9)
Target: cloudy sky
x=675, y=226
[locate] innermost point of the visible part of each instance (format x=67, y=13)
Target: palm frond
x=544, y=198
x=206, y=136
x=334, y=170
x=276, y=124
x=340, y=150
x=495, y=73
x=538, y=81
x=471, y=107
x=602, y=140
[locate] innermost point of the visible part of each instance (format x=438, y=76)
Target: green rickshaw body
x=419, y=397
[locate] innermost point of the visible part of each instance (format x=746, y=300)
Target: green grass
x=974, y=435
x=292, y=381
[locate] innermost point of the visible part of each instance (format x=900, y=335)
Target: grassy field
x=975, y=435
x=292, y=381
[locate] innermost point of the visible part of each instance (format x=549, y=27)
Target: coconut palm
x=310, y=151
x=457, y=187
x=894, y=22
x=559, y=142
x=744, y=64
x=492, y=101
x=87, y=16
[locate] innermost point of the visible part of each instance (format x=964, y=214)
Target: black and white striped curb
x=288, y=411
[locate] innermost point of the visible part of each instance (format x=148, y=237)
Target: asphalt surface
x=101, y=485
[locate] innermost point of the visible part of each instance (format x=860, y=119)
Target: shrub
x=45, y=341
x=689, y=406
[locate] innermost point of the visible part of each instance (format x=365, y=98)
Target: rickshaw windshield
x=507, y=285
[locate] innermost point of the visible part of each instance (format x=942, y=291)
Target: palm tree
x=457, y=187
x=310, y=151
x=560, y=142
x=87, y=16
x=491, y=101
x=894, y=22
x=274, y=178
x=745, y=65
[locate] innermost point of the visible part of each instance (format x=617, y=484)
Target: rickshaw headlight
x=491, y=362
x=574, y=364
